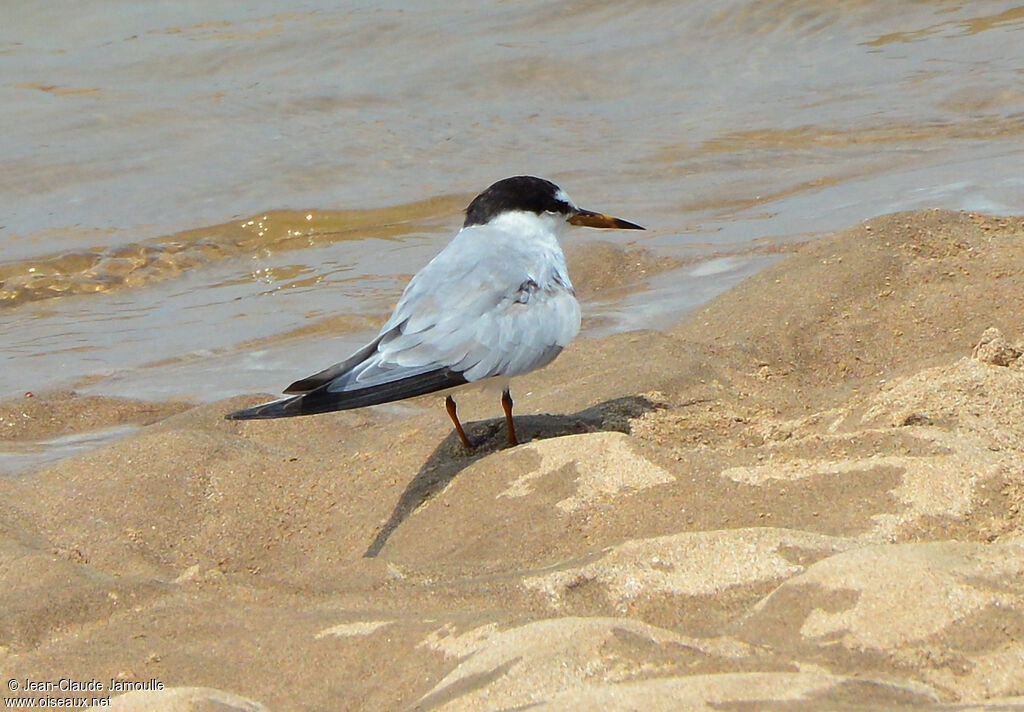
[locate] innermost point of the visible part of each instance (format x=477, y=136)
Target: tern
x=495, y=303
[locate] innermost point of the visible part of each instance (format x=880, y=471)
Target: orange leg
x=506, y=404
x=449, y=404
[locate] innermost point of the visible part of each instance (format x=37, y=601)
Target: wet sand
x=808, y=494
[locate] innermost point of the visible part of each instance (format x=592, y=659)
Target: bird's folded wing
x=305, y=385
x=321, y=400
x=493, y=319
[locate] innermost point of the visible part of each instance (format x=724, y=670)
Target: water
x=160, y=160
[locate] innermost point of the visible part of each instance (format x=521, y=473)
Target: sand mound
x=807, y=496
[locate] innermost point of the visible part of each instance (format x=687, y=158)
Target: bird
x=496, y=302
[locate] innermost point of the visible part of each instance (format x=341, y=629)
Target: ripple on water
x=103, y=269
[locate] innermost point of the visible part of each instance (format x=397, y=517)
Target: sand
x=807, y=495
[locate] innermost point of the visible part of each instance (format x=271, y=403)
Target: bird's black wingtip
x=321, y=400
x=240, y=415
x=264, y=411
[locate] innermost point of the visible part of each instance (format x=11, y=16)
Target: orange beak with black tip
x=588, y=218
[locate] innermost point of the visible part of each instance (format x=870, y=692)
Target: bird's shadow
x=450, y=457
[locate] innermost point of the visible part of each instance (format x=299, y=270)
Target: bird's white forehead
x=560, y=194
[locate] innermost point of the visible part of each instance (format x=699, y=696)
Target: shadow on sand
x=450, y=458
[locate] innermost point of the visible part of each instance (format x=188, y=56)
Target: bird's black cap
x=525, y=193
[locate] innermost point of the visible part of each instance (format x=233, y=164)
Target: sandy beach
x=806, y=495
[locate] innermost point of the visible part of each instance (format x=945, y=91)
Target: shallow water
x=161, y=162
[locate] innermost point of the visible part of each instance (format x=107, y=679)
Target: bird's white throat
x=527, y=225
